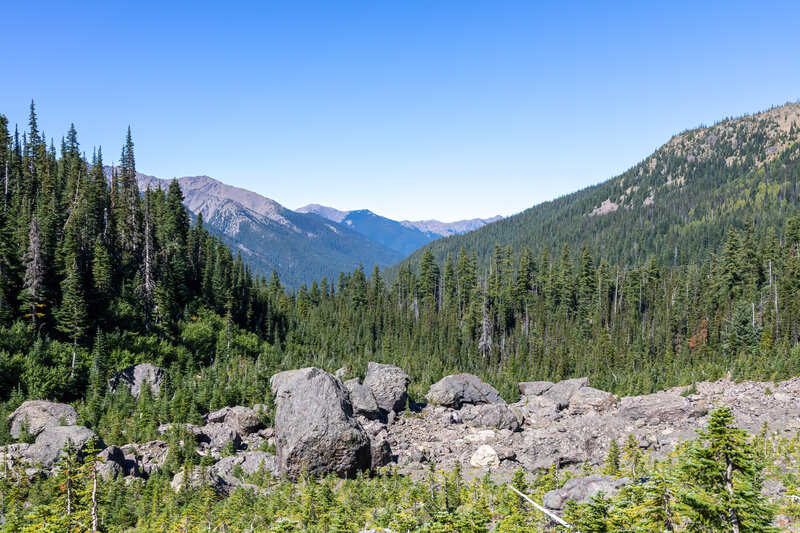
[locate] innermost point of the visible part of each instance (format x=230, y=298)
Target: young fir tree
x=658, y=511
x=612, y=463
x=722, y=480
x=632, y=455
x=73, y=316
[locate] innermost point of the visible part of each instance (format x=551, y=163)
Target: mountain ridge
x=403, y=236
x=300, y=247
x=677, y=201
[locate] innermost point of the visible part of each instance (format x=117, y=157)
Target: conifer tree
x=102, y=276
x=35, y=280
x=73, y=315
x=722, y=480
x=126, y=206
x=660, y=500
x=632, y=456
x=612, y=462
x=147, y=288
x=428, y=279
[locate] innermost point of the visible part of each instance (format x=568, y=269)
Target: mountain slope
x=676, y=205
x=387, y=232
x=403, y=237
x=301, y=247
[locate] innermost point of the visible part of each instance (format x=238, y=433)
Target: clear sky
x=414, y=109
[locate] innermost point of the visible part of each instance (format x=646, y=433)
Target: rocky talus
x=323, y=425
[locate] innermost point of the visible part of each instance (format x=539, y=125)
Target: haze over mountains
x=306, y=244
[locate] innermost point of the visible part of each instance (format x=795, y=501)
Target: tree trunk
x=69, y=491
x=729, y=487
x=74, y=349
x=95, y=520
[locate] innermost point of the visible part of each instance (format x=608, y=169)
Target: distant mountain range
x=300, y=247
x=306, y=244
x=405, y=236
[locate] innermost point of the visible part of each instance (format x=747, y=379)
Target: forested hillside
x=677, y=205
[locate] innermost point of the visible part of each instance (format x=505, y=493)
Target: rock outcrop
x=49, y=443
x=36, y=415
x=588, y=400
x=242, y=420
x=495, y=415
x=197, y=478
x=535, y=388
x=380, y=449
x=134, y=377
x=563, y=391
x=658, y=408
x=329, y=426
x=314, y=425
x=148, y=456
x=215, y=438
x=116, y=463
x=362, y=399
x=233, y=470
x=389, y=385
x=581, y=490
x=460, y=389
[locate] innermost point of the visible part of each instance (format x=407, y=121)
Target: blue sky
x=414, y=109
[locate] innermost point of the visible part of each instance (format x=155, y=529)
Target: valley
x=605, y=341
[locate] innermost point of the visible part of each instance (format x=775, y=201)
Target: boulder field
x=324, y=425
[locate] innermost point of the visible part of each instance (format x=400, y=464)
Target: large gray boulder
x=562, y=392
x=389, y=385
x=148, y=456
x=379, y=445
x=581, y=490
x=248, y=462
x=134, y=377
x=199, y=477
x=113, y=462
x=494, y=415
x=588, y=400
x=658, y=408
x=47, y=448
x=362, y=399
x=36, y=415
x=460, y=389
x=314, y=425
x=214, y=438
x=535, y=388
x=242, y=420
